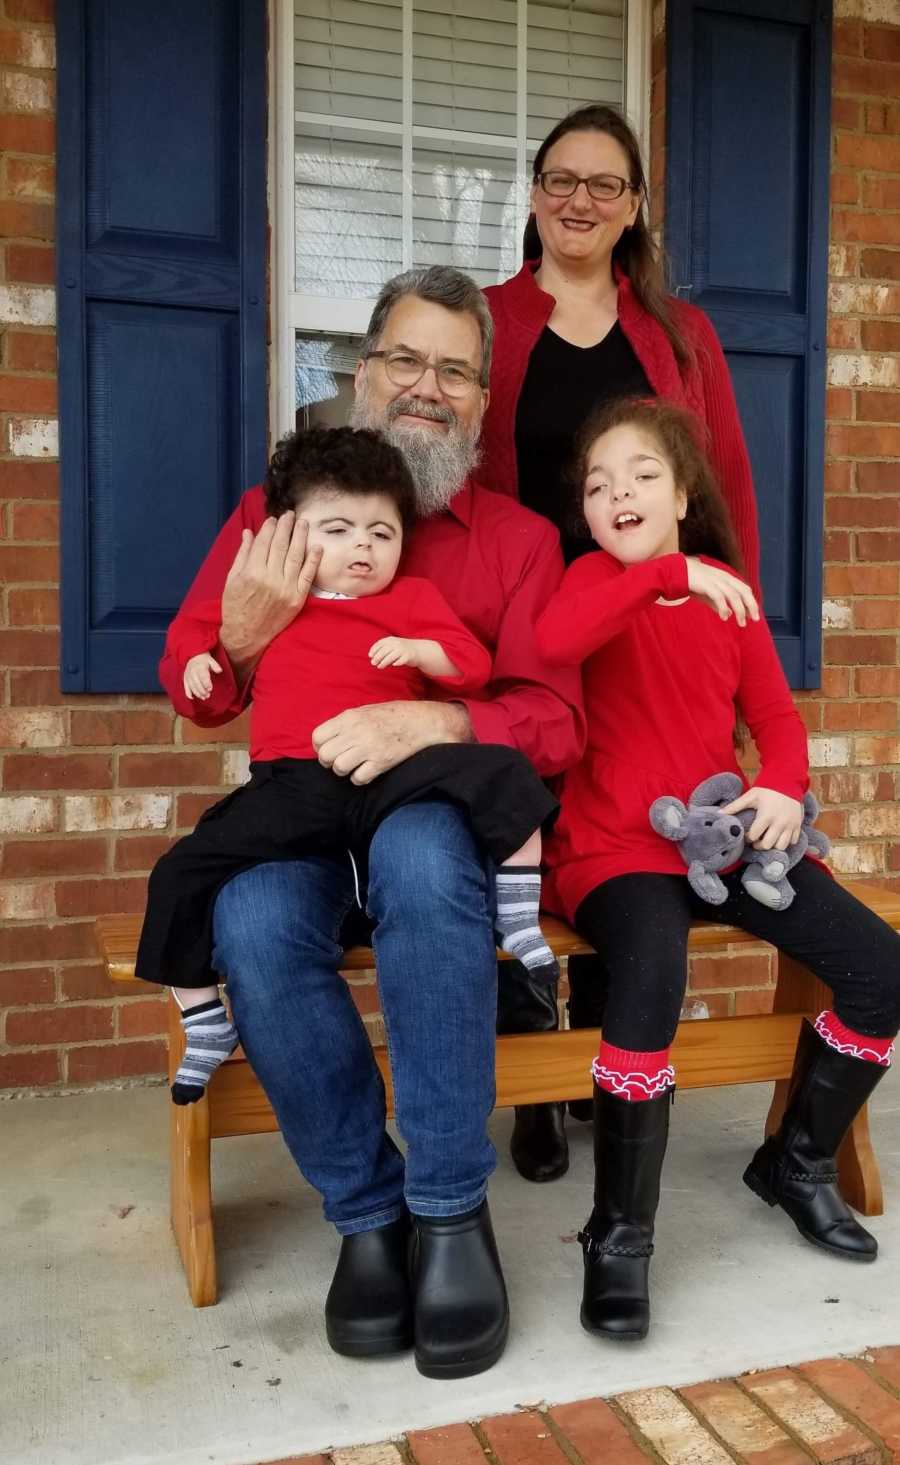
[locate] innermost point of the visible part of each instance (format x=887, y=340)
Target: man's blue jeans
x=277, y=933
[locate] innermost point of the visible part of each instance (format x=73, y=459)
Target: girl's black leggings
x=639, y=925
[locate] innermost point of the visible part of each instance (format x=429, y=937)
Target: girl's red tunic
x=662, y=684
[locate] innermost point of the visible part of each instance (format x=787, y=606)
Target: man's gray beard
x=439, y=463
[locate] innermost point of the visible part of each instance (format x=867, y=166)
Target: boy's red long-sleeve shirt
x=319, y=665
x=662, y=684
x=497, y=564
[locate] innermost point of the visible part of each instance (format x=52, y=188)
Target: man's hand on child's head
x=393, y=651
x=198, y=676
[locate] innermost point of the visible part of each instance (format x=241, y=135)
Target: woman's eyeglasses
x=405, y=368
x=604, y=187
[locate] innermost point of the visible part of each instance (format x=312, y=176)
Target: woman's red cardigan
x=521, y=310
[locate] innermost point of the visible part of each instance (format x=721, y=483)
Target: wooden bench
x=531, y=1068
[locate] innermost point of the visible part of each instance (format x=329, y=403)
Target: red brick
x=882, y=43
x=100, y=897
x=859, y=716
x=845, y=112
x=67, y=770
x=847, y=37
x=26, y=986
x=110, y=729
x=839, y=404
x=143, y=1019
x=34, y=608
x=882, y=117
x=860, y=150
x=850, y=441
x=836, y=546
x=85, y=982
x=455, y=1444
x=709, y=972
x=233, y=732
x=878, y=407
x=522, y=1439
x=22, y=132
x=28, y=1070
x=119, y=1060
x=30, y=351
x=191, y=806
x=742, y=1424
x=165, y=770
x=886, y=1362
x=835, y=681
x=36, y=521
x=59, y=942
x=852, y=1389
x=59, y=1025
x=881, y=335
x=860, y=650
x=25, y=220
x=844, y=188
x=830, y=1438
x=35, y=688
x=52, y=857
x=850, y=227
x=848, y=787
x=881, y=193
x=832, y=822
x=877, y=615
x=39, y=12
x=838, y=477
x=881, y=681
x=29, y=648
x=880, y=264
x=140, y=852
x=878, y=477
x=28, y=562
x=862, y=579
x=29, y=480
x=30, y=178
x=596, y=1433
x=858, y=512
x=843, y=333
x=878, y=547
x=31, y=264
x=865, y=78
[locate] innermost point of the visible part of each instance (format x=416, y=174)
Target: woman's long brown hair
x=636, y=253
x=706, y=527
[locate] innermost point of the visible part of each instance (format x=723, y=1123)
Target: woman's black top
x=563, y=384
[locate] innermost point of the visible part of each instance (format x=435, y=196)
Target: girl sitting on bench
x=363, y=636
x=672, y=642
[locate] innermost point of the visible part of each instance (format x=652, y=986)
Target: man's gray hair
x=442, y=285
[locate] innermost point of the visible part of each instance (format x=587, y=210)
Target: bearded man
x=421, y=380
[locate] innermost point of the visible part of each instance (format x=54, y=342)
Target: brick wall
x=92, y=789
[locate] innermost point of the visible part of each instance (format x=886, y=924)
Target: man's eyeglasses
x=405, y=368
x=604, y=187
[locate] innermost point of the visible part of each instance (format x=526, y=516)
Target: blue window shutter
x=162, y=312
x=747, y=159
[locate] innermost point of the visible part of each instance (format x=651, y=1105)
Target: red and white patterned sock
x=632, y=1075
x=856, y=1045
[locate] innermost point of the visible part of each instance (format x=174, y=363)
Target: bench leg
x=860, y=1179
x=190, y=1182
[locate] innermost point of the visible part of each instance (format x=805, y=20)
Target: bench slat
x=117, y=936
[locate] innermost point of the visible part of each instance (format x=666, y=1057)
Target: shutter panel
x=162, y=289
x=747, y=230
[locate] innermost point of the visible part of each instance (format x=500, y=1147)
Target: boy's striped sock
x=518, y=923
x=211, y=1037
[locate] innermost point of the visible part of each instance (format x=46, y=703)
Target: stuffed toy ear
x=718, y=790
x=668, y=817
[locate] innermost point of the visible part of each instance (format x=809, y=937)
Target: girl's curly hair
x=342, y=459
x=706, y=527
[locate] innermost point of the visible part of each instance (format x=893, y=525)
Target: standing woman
x=588, y=319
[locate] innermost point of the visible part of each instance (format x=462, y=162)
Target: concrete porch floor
x=103, y=1361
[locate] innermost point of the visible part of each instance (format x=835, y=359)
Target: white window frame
x=292, y=312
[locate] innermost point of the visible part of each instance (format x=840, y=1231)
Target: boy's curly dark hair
x=344, y=459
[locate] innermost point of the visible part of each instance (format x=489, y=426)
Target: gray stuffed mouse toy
x=711, y=840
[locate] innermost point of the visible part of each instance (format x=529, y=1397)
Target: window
x=406, y=130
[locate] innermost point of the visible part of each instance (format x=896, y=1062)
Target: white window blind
x=415, y=122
